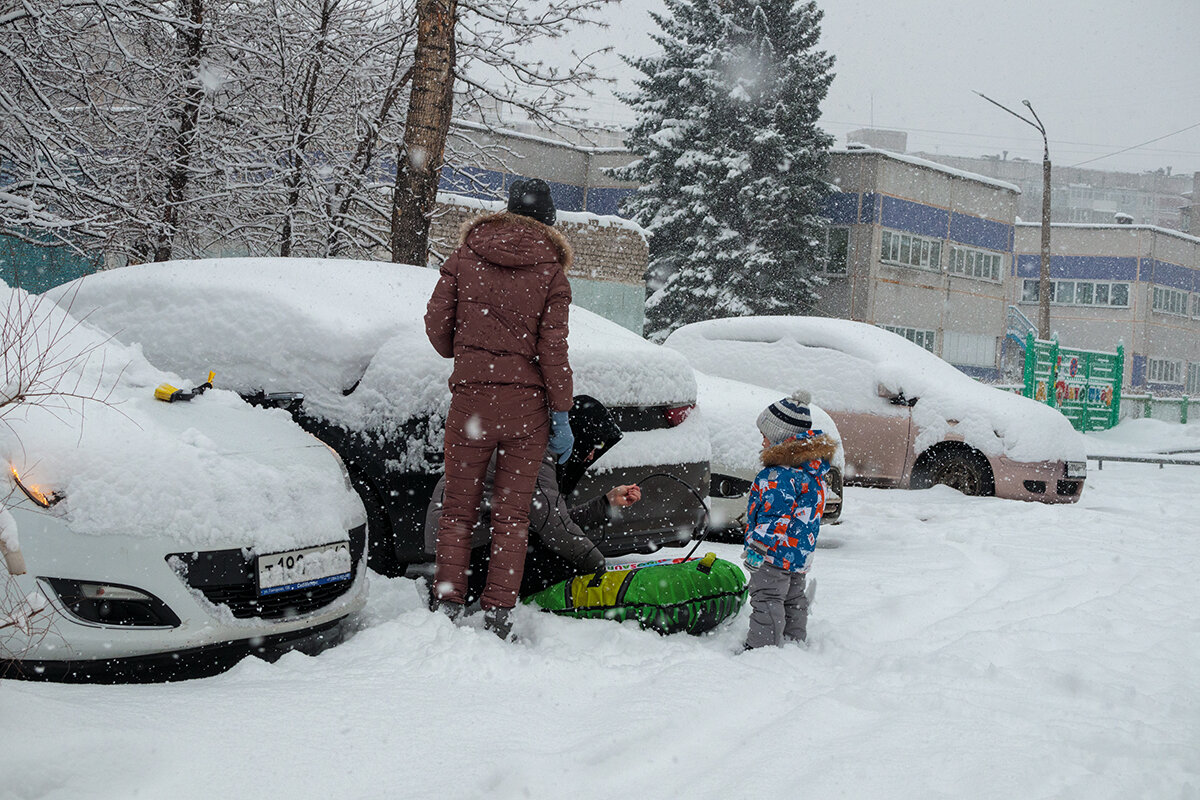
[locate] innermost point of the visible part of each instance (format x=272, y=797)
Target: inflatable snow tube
x=689, y=595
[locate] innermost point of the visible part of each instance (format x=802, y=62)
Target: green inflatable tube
x=688, y=595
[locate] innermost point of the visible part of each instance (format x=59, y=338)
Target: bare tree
x=42, y=366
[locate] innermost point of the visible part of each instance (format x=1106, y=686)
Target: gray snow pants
x=778, y=607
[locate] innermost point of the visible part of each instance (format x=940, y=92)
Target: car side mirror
x=895, y=398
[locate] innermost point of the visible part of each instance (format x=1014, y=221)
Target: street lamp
x=1044, y=278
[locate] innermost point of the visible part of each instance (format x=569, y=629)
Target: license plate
x=1076, y=469
x=303, y=569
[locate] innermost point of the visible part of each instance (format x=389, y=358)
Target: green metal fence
x=37, y=268
x=1085, y=385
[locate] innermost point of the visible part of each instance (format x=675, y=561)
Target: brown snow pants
x=513, y=422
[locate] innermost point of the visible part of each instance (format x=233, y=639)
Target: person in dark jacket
x=500, y=310
x=563, y=538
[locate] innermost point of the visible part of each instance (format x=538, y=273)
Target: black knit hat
x=786, y=418
x=532, y=198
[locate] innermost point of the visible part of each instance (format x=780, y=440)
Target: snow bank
x=959, y=647
x=1144, y=437
x=730, y=412
x=843, y=363
x=210, y=472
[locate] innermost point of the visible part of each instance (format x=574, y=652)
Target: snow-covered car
x=349, y=337
x=906, y=418
x=730, y=411
x=150, y=540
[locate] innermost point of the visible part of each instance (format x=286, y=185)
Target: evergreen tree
x=732, y=162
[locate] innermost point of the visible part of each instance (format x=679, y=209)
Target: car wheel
x=963, y=471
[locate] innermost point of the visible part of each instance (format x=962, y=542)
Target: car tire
x=962, y=470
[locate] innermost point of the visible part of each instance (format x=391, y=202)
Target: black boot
x=449, y=608
x=498, y=622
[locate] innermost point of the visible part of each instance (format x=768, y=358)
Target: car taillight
x=677, y=414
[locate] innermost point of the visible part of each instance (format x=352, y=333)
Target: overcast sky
x=1102, y=74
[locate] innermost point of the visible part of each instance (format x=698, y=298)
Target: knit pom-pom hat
x=786, y=418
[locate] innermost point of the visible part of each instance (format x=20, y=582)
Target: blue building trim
x=842, y=208
x=979, y=232
x=1164, y=273
x=1137, y=375
x=1102, y=268
x=607, y=201
x=905, y=215
x=868, y=213
x=490, y=184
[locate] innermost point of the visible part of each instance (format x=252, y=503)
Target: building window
x=919, y=337
x=1196, y=305
x=976, y=263
x=911, y=251
x=1164, y=370
x=1170, y=301
x=1079, y=293
x=837, y=250
x=969, y=349
x=1193, y=379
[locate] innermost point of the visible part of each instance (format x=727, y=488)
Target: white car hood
x=211, y=472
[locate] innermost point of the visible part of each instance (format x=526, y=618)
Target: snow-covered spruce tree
x=731, y=160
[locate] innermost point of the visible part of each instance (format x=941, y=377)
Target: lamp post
x=1044, y=277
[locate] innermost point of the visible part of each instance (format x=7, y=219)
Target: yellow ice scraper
x=169, y=394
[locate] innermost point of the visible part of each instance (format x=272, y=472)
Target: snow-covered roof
x=209, y=472
x=844, y=365
x=933, y=165
x=1114, y=226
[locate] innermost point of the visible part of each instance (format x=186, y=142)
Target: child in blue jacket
x=783, y=519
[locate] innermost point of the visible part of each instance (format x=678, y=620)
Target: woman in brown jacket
x=500, y=311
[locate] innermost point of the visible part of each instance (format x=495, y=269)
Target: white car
x=346, y=341
x=730, y=411
x=152, y=540
x=907, y=418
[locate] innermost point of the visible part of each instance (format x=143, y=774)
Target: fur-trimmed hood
x=797, y=451
x=514, y=240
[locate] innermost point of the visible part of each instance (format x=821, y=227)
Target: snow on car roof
x=323, y=326
x=845, y=363
x=210, y=472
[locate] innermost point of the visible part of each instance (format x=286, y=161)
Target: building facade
x=923, y=251
x=1134, y=285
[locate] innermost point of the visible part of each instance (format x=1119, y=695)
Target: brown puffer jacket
x=501, y=305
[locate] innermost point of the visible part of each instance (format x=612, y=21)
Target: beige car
x=907, y=419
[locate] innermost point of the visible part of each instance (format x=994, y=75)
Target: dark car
x=341, y=346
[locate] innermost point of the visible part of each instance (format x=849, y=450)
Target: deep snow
x=960, y=647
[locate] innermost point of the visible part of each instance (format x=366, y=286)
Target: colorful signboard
x=1084, y=385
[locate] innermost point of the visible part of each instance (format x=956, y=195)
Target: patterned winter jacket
x=788, y=497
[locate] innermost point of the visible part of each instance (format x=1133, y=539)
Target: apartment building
x=1137, y=285
x=922, y=250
